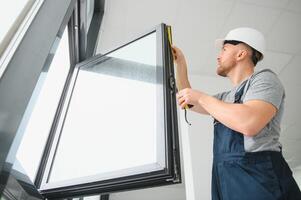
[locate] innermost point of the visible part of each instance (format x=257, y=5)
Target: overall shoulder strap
x=240, y=92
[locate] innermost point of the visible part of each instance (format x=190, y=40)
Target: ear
x=241, y=54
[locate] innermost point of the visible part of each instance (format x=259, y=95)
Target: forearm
x=239, y=117
x=182, y=75
x=199, y=109
x=183, y=82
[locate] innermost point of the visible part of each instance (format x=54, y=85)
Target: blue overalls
x=240, y=175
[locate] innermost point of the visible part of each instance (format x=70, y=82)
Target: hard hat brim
x=219, y=43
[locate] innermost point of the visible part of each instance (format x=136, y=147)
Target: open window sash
x=118, y=126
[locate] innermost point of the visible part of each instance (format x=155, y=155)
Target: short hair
x=256, y=55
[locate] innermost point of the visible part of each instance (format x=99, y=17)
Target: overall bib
x=240, y=175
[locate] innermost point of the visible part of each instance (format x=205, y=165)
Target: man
x=247, y=158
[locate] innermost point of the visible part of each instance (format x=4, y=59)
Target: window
x=111, y=124
x=113, y=115
x=16, y=17
x=118, y=128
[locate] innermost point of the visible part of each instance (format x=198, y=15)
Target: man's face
x=226, y=59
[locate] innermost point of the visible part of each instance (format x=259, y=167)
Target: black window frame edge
x=172, y=173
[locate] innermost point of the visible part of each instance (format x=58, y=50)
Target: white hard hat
x=249, y=36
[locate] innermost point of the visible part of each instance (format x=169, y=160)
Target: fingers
x=174, y=52
x=182, y=102
x=183, y=98
x=175, y=48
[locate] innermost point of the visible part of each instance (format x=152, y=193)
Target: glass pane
x=114, y=126
x=41, y=109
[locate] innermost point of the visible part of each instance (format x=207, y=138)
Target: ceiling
x=197, y=23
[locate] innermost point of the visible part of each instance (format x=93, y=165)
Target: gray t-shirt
x=262, y=85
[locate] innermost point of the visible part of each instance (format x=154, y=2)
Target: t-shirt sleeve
x=265, y=86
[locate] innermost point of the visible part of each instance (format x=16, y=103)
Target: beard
x=222, y=71
x=224, y=68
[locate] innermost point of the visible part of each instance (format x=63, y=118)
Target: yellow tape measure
x=170, y=42
x=169, y=35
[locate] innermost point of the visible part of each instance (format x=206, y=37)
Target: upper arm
x=263, y=98
x=260, y=114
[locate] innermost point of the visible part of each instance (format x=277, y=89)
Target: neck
x=240, y=73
